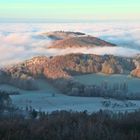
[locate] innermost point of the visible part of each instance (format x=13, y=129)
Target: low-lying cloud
x=117, y=51
x=23, y=41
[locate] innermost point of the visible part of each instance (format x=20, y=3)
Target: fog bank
x=22, y=41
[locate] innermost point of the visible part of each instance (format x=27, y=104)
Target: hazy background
x=20, y=41
x=22, y=22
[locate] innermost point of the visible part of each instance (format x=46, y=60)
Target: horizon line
x=53, y=20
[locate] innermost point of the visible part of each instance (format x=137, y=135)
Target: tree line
x=116, y=90
x=64, y=125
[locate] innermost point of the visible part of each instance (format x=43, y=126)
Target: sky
x=70, y=9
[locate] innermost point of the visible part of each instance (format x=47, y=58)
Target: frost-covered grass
x=49, y=99
x=90, y=79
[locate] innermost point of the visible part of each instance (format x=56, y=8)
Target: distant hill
x=65, y=66
x=63, y=40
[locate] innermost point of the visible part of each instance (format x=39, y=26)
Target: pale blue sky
x=72, y=9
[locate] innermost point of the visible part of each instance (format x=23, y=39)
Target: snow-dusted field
x=48, y=99
x=90, y=79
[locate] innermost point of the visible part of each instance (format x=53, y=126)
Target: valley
x=75, y=82
x=69, y=70
x=49, y=99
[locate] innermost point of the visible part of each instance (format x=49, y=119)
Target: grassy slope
x=43, y=99
x=89, y=79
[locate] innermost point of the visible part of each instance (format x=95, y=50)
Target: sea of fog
x=21, y=41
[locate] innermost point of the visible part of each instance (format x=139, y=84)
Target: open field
x=49, y=99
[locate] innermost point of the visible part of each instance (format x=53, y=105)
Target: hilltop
x=64, y=67
x=63, y=40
